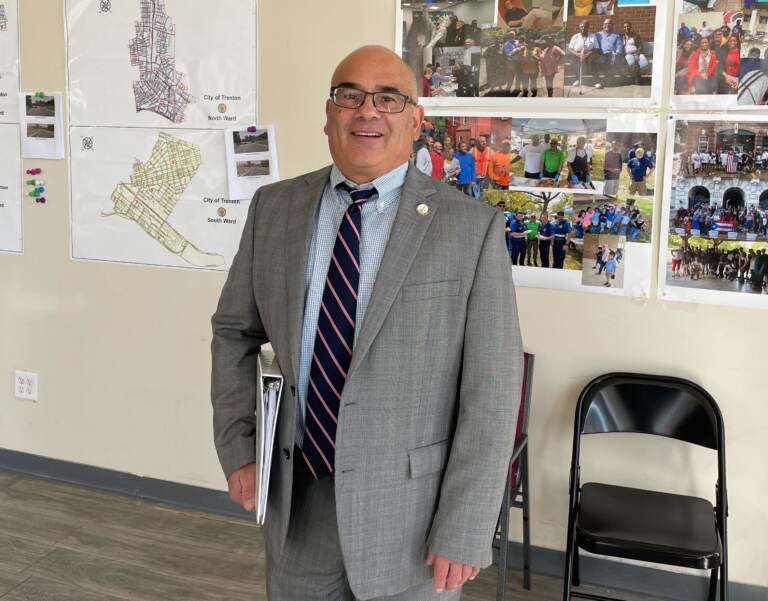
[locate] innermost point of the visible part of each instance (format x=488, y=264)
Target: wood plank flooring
x=60, y=542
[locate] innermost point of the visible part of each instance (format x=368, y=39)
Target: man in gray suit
x=388, y=300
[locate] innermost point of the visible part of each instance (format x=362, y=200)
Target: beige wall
x=123, y=352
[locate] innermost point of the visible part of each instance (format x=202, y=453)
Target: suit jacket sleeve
x=473, y=484
x=238, y=334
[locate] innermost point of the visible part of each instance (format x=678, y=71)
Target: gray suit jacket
x=429, y=408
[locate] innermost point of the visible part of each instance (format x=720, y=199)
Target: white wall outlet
x=25, y=385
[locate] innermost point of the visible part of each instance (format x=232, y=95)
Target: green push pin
x=33, y=193
x=40, y=94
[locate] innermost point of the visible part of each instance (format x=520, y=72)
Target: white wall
x=123, y=352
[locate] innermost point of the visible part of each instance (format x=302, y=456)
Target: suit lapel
x=300, y=222
x=406, y=236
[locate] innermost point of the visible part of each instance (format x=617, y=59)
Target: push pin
x=34, y=171
x=40, y=189
x=251, y=129
x=41, y=200
x=422, y=209
x=39, y=94
x=35, y=182
x=33, y=193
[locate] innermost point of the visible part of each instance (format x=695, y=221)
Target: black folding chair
x=639, y=524
x=516, y=492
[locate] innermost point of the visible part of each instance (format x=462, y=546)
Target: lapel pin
x=422, y=209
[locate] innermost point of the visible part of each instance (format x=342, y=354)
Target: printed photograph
x=249, y=142
x=629, y=164
x=753, y=70
x=523, y=62
x=442, y=42
x=717, y=264
x=709, y=47
x=252, y=168
x=558, y=153
x=40, y=130
x=719, y=182
x=539, y=231
x=611, y=53
x=40, y=106
x=603, y=261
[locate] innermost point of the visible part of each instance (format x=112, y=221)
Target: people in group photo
x=721, y=265
x=607, y=58
x=707, y=61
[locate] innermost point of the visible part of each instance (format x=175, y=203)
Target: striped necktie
x=334, y=339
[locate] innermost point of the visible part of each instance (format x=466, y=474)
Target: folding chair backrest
x=522, y=415
x=660, y=405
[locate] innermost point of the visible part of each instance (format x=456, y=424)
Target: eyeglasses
x=384, y=102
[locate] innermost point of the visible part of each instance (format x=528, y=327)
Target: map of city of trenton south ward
x=153, y=191
x=161, y=88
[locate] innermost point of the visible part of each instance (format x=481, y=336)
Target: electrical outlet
x=25, y=385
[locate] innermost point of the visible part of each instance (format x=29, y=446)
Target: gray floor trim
x=610, y=574
x=149, y=489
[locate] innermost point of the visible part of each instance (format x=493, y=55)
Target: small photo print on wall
x=721, y=54
x=486, y=50
x=716, y=215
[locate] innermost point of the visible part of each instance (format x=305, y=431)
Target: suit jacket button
x=286, y=454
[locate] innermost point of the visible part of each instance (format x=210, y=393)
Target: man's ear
x=327, y=116
x=418, y=117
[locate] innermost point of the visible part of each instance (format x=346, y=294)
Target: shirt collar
x=385, y=185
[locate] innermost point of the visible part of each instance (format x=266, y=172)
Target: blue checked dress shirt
x=377, y=218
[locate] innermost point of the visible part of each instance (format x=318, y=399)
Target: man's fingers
x=441, y=573
x=475, y=572
x=466, y=572
x=454, y=576
x=430, y=558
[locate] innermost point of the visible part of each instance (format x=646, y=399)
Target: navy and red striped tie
x=334, y=339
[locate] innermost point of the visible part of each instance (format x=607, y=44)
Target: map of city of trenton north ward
x=160, y=89
x=153, y=191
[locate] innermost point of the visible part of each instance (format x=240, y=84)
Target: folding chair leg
x=569, y=546
x=575, y=581
x=713, y=584
x=724, y=579
x=501, y=584
x=526, y=520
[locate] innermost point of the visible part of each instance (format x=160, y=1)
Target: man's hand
x=242, y=486
x=450, y=575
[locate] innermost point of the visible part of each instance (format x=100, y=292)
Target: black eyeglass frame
x=406, y=99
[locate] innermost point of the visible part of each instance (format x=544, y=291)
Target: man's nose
x=367, y=109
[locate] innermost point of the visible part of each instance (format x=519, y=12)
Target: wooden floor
x=63, y=542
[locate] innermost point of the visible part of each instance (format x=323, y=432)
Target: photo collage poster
x=720, y=55
x=713, y=240
x=577, y=191
x=580, y=53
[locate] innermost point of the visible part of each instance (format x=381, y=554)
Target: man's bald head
x=379, y=58
x=365, y=142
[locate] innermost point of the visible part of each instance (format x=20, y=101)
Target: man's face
x=505, y=148
x=463, y=147
x=364, y=143
x=482, y=142
x=430, y=141
x=580, y=142
x=500, y=206
x=615, y=146
x=438, y=147
x=718, y=36
x=544, y=218
x=519, y=216
x=608, y=25
x=535, y=140
x=584, y=28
